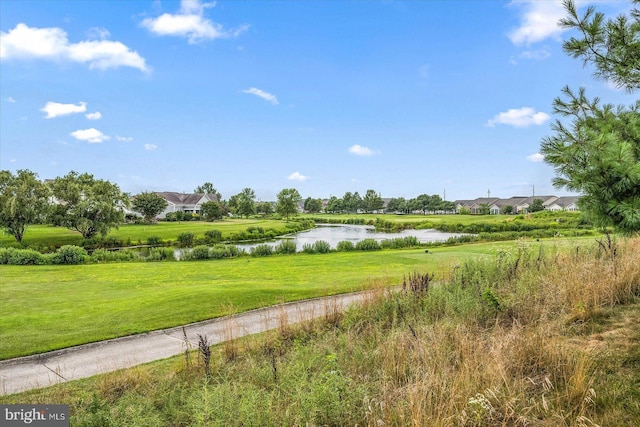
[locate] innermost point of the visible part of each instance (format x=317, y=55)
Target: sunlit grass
x=448, y=356
x=50, y=307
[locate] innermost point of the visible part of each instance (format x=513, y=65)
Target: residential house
x=184, y=202
x=523, y=206
x=520, y=204
x=496, y=207
x=566, y=203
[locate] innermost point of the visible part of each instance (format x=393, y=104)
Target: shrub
x=308, y=248
x=262, y=250
x=198, y=253
x=124, y=255
x=70, y=254
x=5, y=255
x=161, y=254
x=186, y=240
x=223, y=251
x=212, y=236
x=322, y=247
x=154, y=240
x=367, y=245
x=286, y=246
x=400, y=242
x=345, y=246
x=22, y=257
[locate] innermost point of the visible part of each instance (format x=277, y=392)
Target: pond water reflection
x=333, y=234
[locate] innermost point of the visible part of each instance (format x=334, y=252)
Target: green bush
x=124, y=255
x=70, y=254
x=198, y=253
x=22, y=257
x=223, y=251
x=161, y=254
x=261, y=250
x=321, y=247
x=308, y=248
x=400, y=242
x=286, y=246
x=5, y=255
x=186, y=239
x=154, y=240
x=212, y=236
x=367, y=245
x=345, y=246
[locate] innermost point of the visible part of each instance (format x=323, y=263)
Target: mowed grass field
x=412, y=218
x=51, y=307
x=139, y=233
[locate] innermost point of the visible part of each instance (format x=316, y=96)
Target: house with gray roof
x=566, y=203
x=184, y=202
x=520, y=204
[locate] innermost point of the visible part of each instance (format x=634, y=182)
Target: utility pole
x=488, y=193
x=533, y=190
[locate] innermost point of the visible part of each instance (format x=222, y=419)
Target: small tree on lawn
x=536, y=206
x=149, y=204
x=212, y=211
x=88, y=205
x=23, y=201
x=287, y=204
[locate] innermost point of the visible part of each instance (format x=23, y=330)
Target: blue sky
x=403, y=97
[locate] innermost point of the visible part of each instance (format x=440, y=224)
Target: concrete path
x=43, y=370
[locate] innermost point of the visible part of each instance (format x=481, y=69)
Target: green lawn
x=51, y=307
x=448, y=219
x=45, y=235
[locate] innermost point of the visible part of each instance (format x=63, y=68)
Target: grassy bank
x=523, y=338
x=46, y=236
x=51, y=307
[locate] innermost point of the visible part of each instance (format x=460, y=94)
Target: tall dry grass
x=490, y=346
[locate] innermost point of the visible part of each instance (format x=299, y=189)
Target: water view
x=334, y=233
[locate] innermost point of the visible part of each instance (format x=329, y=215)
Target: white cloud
x=539, y=21
x=262, y=94
x=52, y=44
x=359, y=150
x=10, y=99
x=297, y=176
x=520, y=117
x=536, y=158
x=150, y=147
x=188, y=7
x=124, y=138
x=92, y=136
x=537, y=55
x=190, y=23
x=94, y=116
x=98, y=33
x=55, y=109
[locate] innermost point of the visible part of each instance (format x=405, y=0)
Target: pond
x=333, y=234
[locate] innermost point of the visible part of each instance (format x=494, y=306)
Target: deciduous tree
x=208, y=188
x=88, y=205
x=288, y=200
x=372, y=201
x=245, y=202
x=212, y=211
x=312, y=205
x=23, y=201
x=149, y=204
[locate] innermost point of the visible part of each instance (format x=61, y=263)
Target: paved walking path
x=43, y=370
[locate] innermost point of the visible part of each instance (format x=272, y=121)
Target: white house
x=182, y=202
